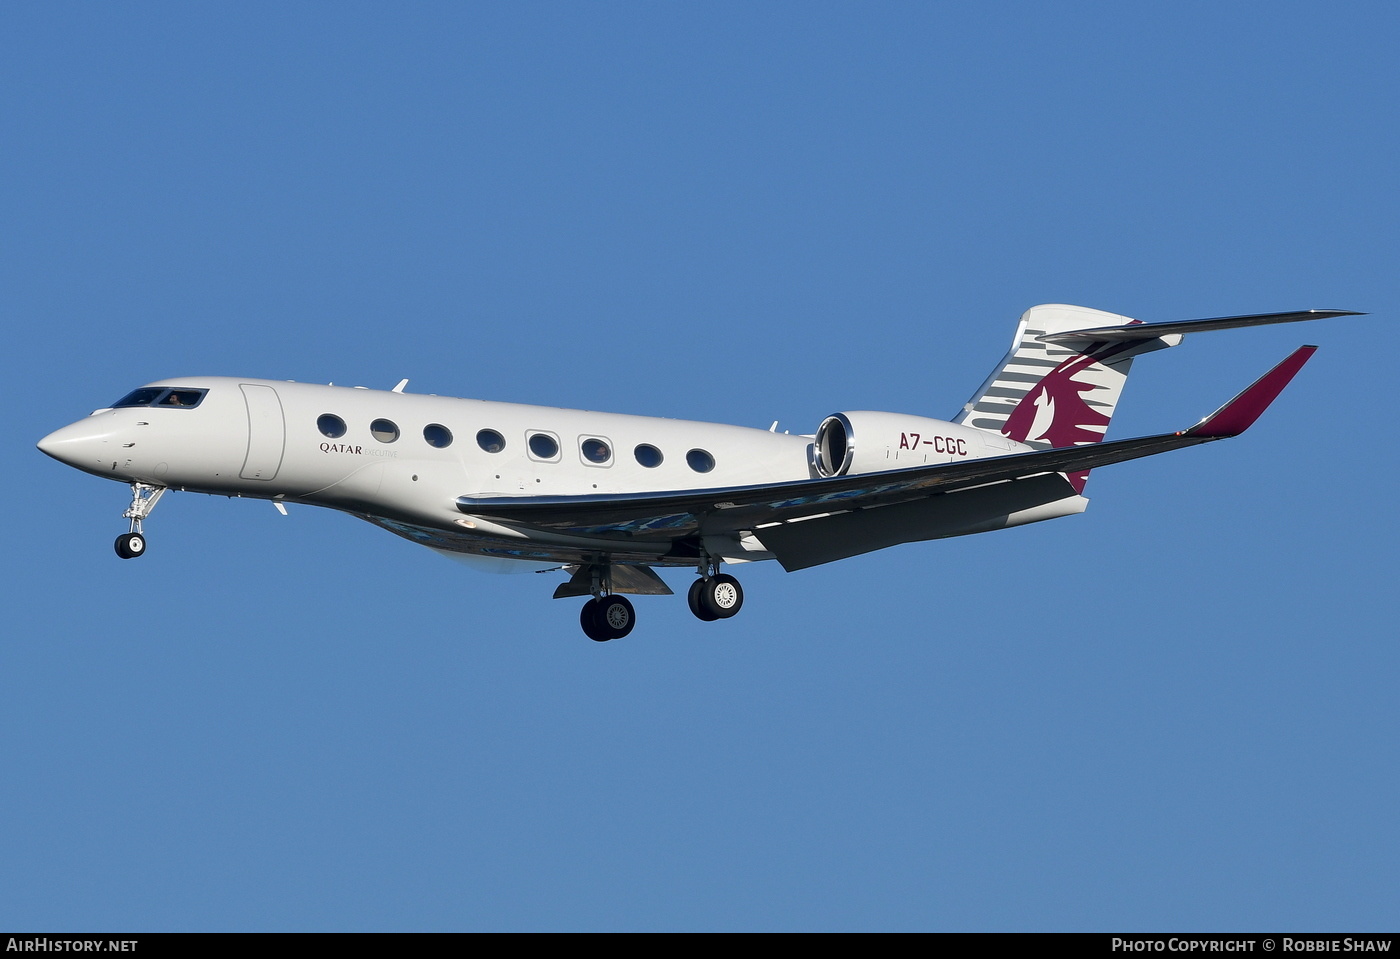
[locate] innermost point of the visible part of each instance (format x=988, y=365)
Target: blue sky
x=1176, y=711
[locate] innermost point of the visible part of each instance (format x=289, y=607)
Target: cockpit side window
x=161, y=396
x=142, y=397
x=181, y=398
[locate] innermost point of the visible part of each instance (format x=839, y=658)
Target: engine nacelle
x=869, y=442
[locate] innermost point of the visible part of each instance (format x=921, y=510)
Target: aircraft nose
x=82, y=444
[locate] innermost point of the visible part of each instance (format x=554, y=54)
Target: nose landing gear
x=143, y=499
x=130, y=545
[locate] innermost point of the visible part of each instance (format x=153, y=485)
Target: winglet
x=1239, y=414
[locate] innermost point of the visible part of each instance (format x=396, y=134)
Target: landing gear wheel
x=610, y=617
x=588, y=619
x=130, y=545
x=722, y=596
x=616, y=615
x=697, y=604
x=718, y=597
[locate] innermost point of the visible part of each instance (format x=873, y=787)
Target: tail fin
x=1051, y=395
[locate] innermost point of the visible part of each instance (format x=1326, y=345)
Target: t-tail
x=1062, y=379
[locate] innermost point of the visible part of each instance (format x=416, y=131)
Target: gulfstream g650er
x=607, y=497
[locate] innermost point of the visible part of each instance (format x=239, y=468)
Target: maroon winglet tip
x=1239, y=414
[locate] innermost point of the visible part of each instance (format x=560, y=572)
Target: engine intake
x=834, y=446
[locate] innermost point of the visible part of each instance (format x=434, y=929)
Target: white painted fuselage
x=261, y=438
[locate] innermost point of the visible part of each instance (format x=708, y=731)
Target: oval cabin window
x=331, y=425
x=437, y=436
x=700, y=461
x=544, y=446
x=384, y=430
x=595, y=451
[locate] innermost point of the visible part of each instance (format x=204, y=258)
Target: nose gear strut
x=144, y=497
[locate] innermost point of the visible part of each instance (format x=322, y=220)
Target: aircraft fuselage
x=402, y=460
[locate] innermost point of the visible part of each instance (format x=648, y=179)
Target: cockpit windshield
x=161, y=396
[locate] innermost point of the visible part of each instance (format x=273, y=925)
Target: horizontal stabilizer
x=1148, y=331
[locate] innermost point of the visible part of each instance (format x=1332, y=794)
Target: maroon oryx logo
x=1054, y=412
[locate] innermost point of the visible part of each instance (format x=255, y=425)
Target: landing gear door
x=267, y=432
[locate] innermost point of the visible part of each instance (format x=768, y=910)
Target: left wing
x=671, y=515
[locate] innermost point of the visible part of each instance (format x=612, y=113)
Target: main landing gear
x=715, y=597
x=143, y=499
x=607, y=615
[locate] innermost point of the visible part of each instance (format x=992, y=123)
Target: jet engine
x=870, y=442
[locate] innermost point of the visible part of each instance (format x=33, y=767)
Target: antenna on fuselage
x=399, y=388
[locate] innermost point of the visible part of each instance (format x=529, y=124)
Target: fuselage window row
x=595, y=450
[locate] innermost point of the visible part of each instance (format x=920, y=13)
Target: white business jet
x=607, y=497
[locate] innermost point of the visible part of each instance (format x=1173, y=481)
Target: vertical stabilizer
x=1053, y=395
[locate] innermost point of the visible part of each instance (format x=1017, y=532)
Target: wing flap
x=841, y=535
x=637, y=580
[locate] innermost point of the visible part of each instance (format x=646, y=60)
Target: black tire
x=697, y=604
x=615, y=616
x=592, y=626
x=722, y=596
x=130, y=545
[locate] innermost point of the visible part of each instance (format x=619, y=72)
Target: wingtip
x=1239, y=414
